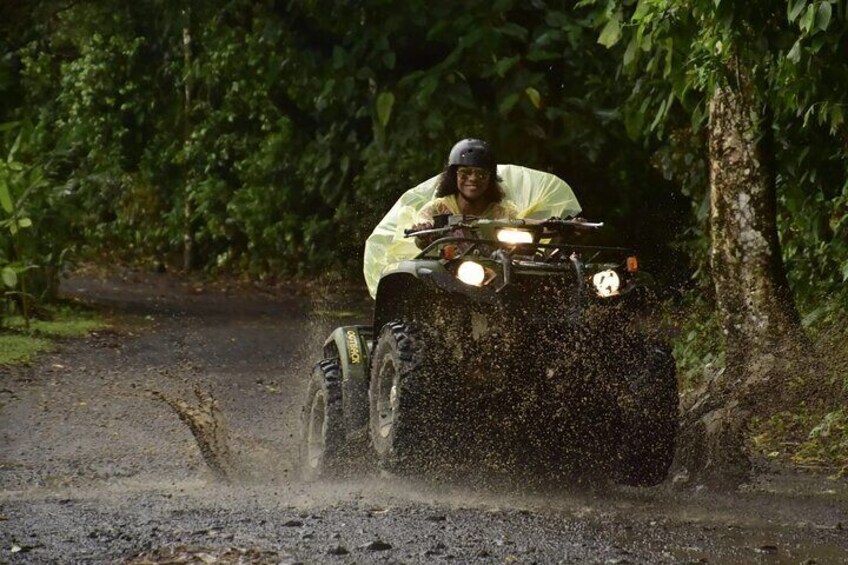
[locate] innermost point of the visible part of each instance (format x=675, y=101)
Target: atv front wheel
x=402, y=397
x=650, y=425
x=322, y=436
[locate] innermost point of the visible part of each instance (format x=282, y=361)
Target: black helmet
x=472, y=153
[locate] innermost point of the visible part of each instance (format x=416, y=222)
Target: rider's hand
x=423, y=241
x=579, y=219
x=421, y=226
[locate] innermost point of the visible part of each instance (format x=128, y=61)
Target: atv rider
x=468, y=186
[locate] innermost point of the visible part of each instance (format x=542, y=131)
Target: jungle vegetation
x=267, y=138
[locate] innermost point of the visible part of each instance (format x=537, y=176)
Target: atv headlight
x=471, y=273
x=515, y=237
x=606, y=283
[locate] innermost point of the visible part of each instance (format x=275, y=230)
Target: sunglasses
x=467, y=172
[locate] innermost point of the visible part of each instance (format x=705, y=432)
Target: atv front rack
x=526, y=259
x=560, y=250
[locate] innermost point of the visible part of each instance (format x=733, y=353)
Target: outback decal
x=353, y=352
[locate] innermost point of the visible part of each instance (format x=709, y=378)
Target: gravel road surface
x=95, y=467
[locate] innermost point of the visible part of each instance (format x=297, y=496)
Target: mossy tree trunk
x=756, y=307
x=763, y=336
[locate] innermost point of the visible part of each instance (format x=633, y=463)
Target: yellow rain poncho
x=537, y=195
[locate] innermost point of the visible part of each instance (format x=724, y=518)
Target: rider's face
x=472, y=182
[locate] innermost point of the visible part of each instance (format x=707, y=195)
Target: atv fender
x=351, y=345
x=398, y=297
x=409, y=292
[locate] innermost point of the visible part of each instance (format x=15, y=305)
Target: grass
x=64, y=325
x=19, y=345
x=18, y=349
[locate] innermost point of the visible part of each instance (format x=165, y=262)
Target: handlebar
x=459, y=221
x=409, y=232
x=572, y=222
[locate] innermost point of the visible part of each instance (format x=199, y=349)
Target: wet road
x=95, y=468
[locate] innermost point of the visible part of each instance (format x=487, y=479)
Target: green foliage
x=283, y=127
x=675, y=53
x=22, y=339
x=827, y=442
x=385, y=103
x=697, y=342
x=20, y=349
x=806, y=437
x=17, y=182
x=814, y=433
x=62, y=323
x=284, y=132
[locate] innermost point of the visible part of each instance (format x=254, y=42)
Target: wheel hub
x=388, y=400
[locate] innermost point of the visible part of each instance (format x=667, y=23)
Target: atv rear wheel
x=649, y=427
x=322, y=438
x=402, y=397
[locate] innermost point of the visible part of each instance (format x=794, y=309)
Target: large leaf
x=633, y=123
x=808, y=19
x=5, y=197
x=10, y=277
x=504, y=65
x=513, y=30
x=794, y=9
x=794, y=54
x=823, y=15
x=385, y=103
x=339, y=57
x=534, y=96
x=508, y=103
x=389, y=59
x=837, y=117
x=611, y=32
x=631, y=51
x=15, y=146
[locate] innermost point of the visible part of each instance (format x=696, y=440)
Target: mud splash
x=209, y=428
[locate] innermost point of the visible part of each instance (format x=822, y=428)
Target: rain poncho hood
x=536, y=194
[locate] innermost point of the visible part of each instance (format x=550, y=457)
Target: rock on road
x=94, y=467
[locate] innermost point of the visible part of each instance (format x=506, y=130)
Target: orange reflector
x=632, y=264
x=449, y=252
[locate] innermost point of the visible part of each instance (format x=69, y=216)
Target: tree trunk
x=764, y=342
x=757, y=311
x=188, y=212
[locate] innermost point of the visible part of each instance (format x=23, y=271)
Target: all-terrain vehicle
x=512, y=336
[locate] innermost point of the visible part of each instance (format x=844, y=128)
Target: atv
x=514, y=336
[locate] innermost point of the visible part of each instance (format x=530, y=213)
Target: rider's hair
x=448, y=186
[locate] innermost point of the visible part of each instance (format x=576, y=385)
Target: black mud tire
x=650, y=426
x=402, y=399
x=322, y=431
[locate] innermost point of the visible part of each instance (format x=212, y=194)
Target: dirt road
x=95, y=467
